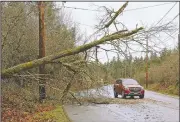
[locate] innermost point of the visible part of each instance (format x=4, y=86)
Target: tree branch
x=116, y=14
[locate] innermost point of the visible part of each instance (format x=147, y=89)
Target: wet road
x=154, y=107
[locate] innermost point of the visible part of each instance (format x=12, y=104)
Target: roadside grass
x=42, y=113
x=56, y=115
x=167, y=90
x=19, y=105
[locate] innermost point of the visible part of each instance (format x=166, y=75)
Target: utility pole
x=96, y=48
x=42, y=91
x=179, y=45
x=147, y=62
x=96, y=53
x=179, y=49
x=131, y=69
x=130, y=64
x=126, y=57
x=63, y=2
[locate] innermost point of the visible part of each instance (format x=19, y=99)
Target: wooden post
x=179, y=46
x=178, y=50
x=42, y=91
x=96, y=53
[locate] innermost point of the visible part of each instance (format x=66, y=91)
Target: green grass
x=57, y=115
x=170, y=90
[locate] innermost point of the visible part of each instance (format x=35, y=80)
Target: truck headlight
x=126, y=88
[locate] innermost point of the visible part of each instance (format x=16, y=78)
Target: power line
x=84, y=24
x=164, y=40
x=131, y=10
x=81, y=8
x=166, y=14
x=147, y=7
x=123, y=11
x=172, y=34
x=172, y=19
x=164, y=26
x=170, y=22
x=101, y=11
x=80, y=23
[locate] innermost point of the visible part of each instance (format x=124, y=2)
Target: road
x=155, y=107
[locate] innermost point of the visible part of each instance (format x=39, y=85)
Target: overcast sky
x=87, y=19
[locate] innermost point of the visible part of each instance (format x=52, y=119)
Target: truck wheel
x=123, y=95
x=141, y=96
x=115, y=94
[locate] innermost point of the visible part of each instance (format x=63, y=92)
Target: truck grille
x=135, y=89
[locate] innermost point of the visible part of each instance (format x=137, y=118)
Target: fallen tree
x=48, y=59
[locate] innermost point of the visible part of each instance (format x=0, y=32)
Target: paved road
x=154, y=107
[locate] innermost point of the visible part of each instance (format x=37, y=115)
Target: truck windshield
x=130, y=82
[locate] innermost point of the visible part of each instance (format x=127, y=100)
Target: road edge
x=177, y=97
x=66, y=114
